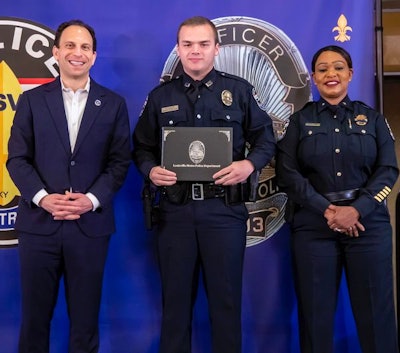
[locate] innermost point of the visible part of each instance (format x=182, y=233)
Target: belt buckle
x=197, y=192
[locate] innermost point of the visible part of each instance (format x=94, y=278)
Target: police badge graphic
x=197, y=151
x=263, y=55
x=26, y=61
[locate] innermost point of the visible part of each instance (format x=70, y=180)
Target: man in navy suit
x=69, y=152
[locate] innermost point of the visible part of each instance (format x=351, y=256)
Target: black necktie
x=193, y=91
x=338, y=112
x=333, y=109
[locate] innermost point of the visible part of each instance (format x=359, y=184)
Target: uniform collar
x=208, y=80
x=346, y=103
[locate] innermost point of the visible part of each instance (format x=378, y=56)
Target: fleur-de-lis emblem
x=342, y=28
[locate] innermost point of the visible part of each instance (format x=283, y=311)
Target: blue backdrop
x=135, y=38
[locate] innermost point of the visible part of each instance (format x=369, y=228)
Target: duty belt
x=342, y=197
x=202, y=191
x=232, y=194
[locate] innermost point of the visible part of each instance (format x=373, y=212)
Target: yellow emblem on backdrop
x=10, y=87
x=342, y=29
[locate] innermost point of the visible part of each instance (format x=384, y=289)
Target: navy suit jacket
x=40, y=157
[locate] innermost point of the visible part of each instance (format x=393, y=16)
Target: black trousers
x=44, y=260
x=210, y=236
x=320, y=255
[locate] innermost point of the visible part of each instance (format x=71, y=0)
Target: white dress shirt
x=74, y=106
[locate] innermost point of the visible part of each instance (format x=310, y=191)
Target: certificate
x=196, y=153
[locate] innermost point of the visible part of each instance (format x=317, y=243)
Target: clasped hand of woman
x=344, y=219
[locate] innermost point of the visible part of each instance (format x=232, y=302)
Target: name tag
x=312, y=124
x=171, y=108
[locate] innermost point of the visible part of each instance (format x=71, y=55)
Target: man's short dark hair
x=80, y=23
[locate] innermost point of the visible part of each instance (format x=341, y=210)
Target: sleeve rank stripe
x=381, y=195
x=388, y=189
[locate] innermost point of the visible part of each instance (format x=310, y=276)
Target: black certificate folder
x=196, y=153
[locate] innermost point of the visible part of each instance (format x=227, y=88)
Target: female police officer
x=337, y=164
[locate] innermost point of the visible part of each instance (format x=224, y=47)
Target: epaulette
x=166, y=80
x=307, y=104
x=363, y=104
x=234, y=77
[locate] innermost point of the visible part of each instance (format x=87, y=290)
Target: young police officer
x=211, y=233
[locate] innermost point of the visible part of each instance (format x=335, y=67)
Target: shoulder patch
x=390, y=130
x=144, y=106
x=255, y=95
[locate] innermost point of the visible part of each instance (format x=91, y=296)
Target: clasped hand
x=68, y=206
x=344, y=219
x=235, y=173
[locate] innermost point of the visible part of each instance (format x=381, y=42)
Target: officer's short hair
x=346, y=56
x=198, y=21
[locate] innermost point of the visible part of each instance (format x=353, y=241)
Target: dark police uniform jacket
x=324, y=152
x=168, y=105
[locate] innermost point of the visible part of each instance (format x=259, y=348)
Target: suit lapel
x=94, y=104
x=56, y=106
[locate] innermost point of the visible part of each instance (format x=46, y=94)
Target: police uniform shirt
x=335, y=148
x=223, y=100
